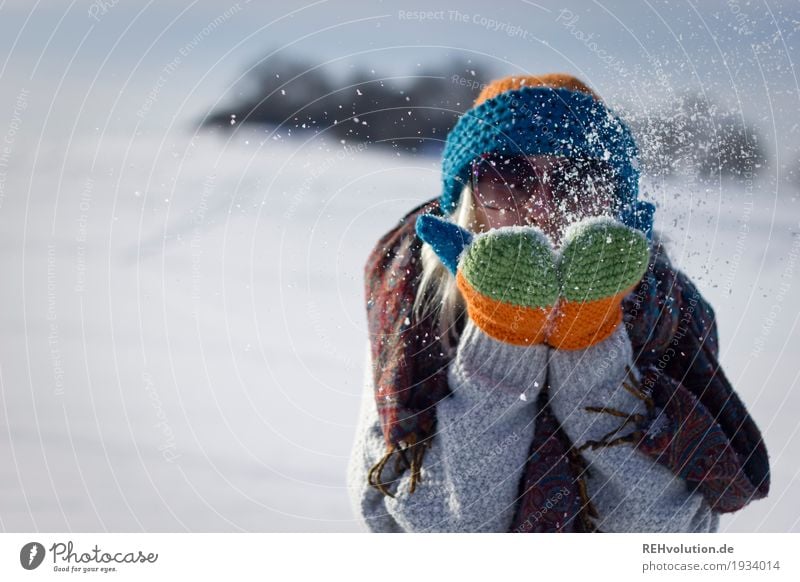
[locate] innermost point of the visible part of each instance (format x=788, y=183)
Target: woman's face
x=545, y=191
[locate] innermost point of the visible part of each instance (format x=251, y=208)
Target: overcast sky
x=104, y=60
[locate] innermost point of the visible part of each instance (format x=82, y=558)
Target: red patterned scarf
x=696, y=424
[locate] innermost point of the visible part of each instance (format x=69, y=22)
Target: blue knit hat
x=534, y=120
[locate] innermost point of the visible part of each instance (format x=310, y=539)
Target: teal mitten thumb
x=447, y=239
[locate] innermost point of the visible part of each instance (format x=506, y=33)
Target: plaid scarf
x=696, y=424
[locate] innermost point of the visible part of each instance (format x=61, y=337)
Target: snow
x=184, y=327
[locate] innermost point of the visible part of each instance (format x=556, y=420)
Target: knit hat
x=555, y=114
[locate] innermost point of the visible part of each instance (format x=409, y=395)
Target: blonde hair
x=438, y=295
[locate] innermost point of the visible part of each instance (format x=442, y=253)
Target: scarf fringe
x=400, y=452
x=588, y=512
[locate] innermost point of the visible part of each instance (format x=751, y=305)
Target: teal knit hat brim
x=540, y=120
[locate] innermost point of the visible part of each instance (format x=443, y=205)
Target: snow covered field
x=183, y=327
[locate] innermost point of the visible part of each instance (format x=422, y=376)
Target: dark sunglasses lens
x=508, y=181
x=511, y=172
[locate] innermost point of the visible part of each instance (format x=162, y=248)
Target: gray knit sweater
x=472, y=470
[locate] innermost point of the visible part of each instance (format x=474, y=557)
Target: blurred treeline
x=414, y=113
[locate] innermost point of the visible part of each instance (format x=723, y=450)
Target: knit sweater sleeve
x=630, y=491
x=471, y=472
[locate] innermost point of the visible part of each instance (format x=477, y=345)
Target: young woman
x=531, y=342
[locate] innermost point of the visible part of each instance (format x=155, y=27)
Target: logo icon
x=31, y=555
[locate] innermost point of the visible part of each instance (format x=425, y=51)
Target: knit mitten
x=600, y=262
x=507, y=276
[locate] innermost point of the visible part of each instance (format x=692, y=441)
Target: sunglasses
x=507, y=183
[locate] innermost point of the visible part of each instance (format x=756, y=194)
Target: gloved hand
x=507, y=276
x=600, y=262
x=519, y=290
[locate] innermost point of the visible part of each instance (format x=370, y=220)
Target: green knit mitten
x=507, y=276
x=601, y=261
